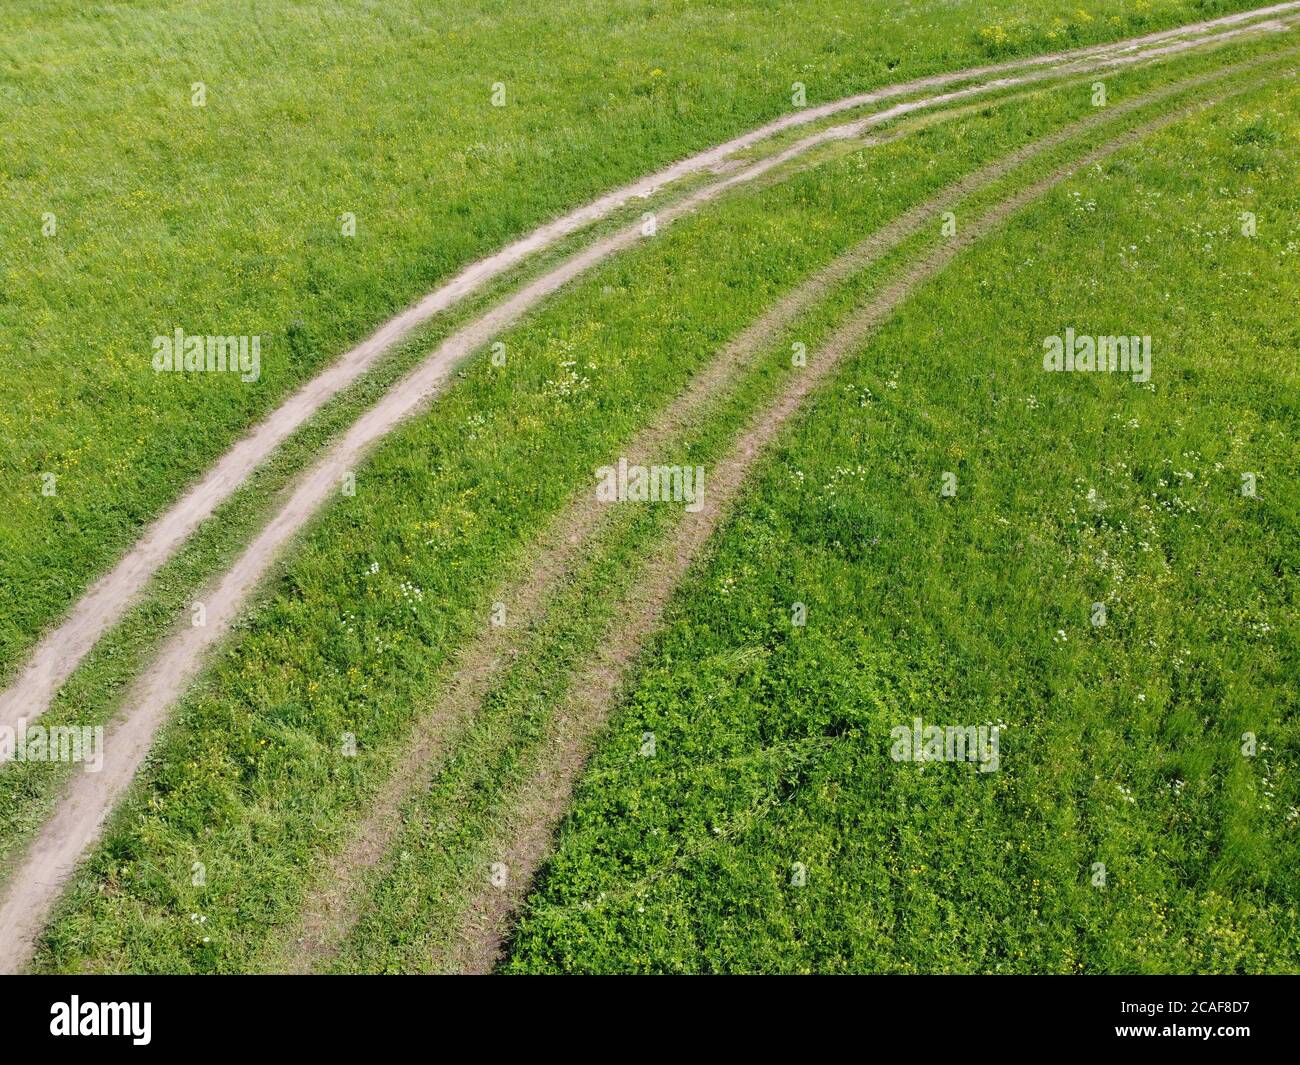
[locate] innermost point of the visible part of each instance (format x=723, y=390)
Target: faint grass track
x=56, y=655
x=537, y=808
x=336, y=902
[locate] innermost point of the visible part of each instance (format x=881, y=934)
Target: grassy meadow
x=1122, y=741
x=128, y=210
x=1126, y=745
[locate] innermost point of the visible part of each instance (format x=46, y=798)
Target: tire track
x=535, y=815
x=57, y=654
x=334, y=907
x=88, y=800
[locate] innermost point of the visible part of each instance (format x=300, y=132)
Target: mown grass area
x=225, y=219
x=1123, y=742
x=250, y=780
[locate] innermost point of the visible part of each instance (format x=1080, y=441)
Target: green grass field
x=949, y=514
x=1123, y=742
x=225, y=218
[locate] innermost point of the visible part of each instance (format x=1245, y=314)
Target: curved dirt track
x=335, y=904
x=79, y=816
x=537, y=808
x=57, y=654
